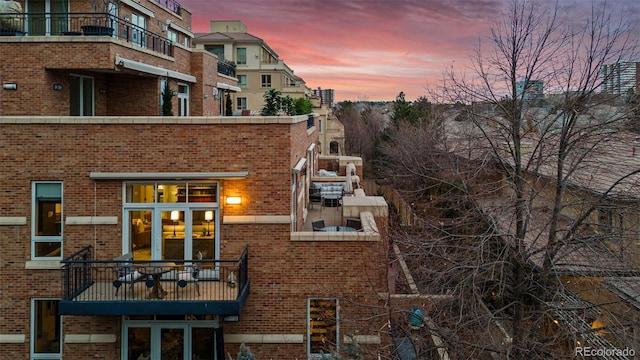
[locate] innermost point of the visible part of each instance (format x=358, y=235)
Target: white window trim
x=41, y=238
x=337, y=301
x=33, y=354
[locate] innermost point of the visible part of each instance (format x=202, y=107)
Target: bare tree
x=523, y=201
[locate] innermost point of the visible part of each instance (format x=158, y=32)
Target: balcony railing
x=152, y=286
x=70, y=24
x=226, y=67
x=170, y=4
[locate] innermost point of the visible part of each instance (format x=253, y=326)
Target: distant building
x=327, y=96
x=532, y=89
x=620, y=77
x=257, y=67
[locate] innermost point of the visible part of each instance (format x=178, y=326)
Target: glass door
x=174, y=233
x=178, y=340
x=172, y=346
x=203, y=225
x=140, y=233
x=183, y=100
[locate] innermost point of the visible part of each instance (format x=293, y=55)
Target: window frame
x=35, y=238
x=242, y=81
x=138, y=31
x=33, y=355
x=82, y=93
x=172, y=36
x=319, y=355
x=266, y=81
x=241, y=56
x=241, y=103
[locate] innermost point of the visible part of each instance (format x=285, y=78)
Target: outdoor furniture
x=317, y=225
x=155, y=270
x=126, y=273
x=337, y=229
x=354, y=223
x=189, y=275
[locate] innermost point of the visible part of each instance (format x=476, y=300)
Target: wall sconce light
x=57, y=87
x=10, y=86
x=206, y=96
x=175, y=216
x=234, y=200
x=208, y=216
x=103, y=91
x=175, y=93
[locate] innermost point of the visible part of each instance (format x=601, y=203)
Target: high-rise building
x=532, y=89
x=620, y=77
x=327, y=96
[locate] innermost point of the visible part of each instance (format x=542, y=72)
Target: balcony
x=226, y=67
x=160, y=287
x=88, y=24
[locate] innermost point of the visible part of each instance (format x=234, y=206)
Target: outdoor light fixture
x=175, y=215
x=234, y=200
x=57, y=87
x=10, y=86
x=208, y=216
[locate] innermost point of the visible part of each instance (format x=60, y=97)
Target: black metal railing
x=226, y=67
x=170, y=4
x=89, y=24
x=85, y=279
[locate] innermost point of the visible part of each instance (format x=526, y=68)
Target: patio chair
x=317, y=225
x=126, y=273
x=189, y=275
x=354, y=223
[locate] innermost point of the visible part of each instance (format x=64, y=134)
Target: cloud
x=347, y=45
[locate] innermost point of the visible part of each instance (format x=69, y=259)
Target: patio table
x=155, y=270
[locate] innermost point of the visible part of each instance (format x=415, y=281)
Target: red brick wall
x=283, y=273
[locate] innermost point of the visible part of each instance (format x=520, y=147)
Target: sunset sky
x=370, y=49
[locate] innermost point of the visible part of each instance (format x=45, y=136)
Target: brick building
x=126, y=235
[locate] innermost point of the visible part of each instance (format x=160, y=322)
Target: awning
x=167, y=175
x=228, y=87
x=155, y=70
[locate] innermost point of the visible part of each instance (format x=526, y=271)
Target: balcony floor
x=332, y=216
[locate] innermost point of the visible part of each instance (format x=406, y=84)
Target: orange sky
x=367, y=49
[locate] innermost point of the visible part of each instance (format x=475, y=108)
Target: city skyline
x=371, y=49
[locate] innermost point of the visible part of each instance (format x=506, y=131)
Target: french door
x=169, y=341
x=173, y=233
x=171, y=221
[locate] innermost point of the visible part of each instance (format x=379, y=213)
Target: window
x=47, y=17
x=185, y=42
x=139, y=25
x=81, y=101
x=183, y=100
x=46, y=220
x=45, y=329
x=242, y=81
x=172, y=35
x=216, y=49
x=320, y=126
x=323, y=329
x=241, y=56
x=266, y=81
x=609, y=221
x=171, y=220
x=241, y=103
